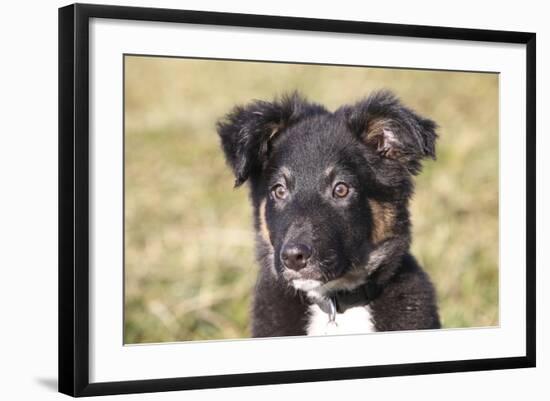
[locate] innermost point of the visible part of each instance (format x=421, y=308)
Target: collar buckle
x=332, y=310
x=328, y=305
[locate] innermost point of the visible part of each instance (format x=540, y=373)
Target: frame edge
x=66, y=305
x=531, y=205
x=73, y=280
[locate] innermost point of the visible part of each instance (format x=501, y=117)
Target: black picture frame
x=74, y=191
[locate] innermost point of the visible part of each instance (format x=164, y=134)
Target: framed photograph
x=251, y=199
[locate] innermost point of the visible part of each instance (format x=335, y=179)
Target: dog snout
x=295, y=256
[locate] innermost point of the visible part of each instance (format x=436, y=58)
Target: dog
x=330, y=194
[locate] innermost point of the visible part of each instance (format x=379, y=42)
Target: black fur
x=294, y=154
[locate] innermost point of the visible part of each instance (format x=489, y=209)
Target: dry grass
x=189, y=243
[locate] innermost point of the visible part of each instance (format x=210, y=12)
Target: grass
x=190, y=264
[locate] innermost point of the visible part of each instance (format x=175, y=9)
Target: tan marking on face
x=275, y=128
x=349, y=281
x=285, y=171
x=383, y=217
x=264, y=232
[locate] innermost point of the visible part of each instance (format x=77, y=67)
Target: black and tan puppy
x=330, y=192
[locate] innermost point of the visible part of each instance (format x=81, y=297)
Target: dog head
x=329, y=188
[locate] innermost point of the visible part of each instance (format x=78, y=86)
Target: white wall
x=28, y=217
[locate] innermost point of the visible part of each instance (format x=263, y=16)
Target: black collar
x=344, y=299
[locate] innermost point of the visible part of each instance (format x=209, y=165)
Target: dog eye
x=340, y=190
x=279, y=191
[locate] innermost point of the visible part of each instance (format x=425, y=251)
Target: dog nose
x=295, y=256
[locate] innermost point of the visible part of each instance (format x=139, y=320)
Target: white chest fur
x=357, y=320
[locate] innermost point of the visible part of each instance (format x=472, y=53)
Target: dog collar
x=342, y=300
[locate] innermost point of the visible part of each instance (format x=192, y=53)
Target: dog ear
x=393, y=130
x=246, y=131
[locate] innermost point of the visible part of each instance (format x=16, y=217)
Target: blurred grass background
x=189, y=253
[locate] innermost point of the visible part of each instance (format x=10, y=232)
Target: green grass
x=190, y=265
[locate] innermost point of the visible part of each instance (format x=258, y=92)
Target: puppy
x=330, y=193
